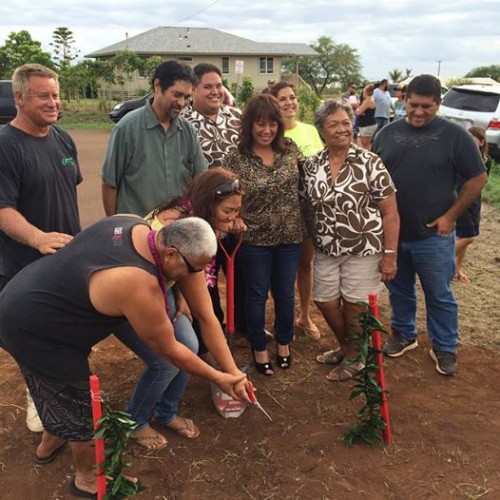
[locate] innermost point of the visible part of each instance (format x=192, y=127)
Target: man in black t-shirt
x=424, y=154
x=39, y=173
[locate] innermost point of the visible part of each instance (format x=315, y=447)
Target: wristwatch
x=389, y=251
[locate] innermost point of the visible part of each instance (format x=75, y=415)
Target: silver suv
x=470, y=105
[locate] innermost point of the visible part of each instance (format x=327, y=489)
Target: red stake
x=230, y=257
x=377, y=344
x=95, y=394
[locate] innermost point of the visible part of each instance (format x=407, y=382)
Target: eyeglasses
x=189, y=266
x=227, y=188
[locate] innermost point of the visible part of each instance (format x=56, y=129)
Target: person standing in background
x=153, y=152
x=269, y=87
x=365, y=113
x=400, y=105
x=467, y=227
x=39, y=172
x=353, y=99
x=383, y=104
x=309, y=142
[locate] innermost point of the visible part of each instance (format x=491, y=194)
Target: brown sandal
x=185, y=427
x=345, y=371
x=333, y=357
x=150, y=439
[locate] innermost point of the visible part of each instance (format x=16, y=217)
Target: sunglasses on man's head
x=228, y=188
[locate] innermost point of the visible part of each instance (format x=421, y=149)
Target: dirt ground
x=445, y=430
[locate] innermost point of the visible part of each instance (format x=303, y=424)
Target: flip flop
x=77, y=492
x=186, y=429
x=333, y=357
x=50, y=458
x=312, y=332
x=153, y=442
x=345, y=371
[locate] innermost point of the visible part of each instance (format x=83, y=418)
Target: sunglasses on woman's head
x=228, y=188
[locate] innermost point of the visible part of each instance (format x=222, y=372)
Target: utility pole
x=439, y=66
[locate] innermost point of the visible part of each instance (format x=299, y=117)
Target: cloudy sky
x=389, y=34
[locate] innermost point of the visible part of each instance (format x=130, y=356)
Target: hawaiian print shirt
x=219, y=137
x=347, y=219
x=272, y=209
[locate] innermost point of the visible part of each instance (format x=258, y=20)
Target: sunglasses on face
x=191, y=269
x=228, y=188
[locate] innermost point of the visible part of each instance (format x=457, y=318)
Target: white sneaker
x=33, y=421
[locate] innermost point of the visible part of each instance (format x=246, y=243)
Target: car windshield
x=471, y=100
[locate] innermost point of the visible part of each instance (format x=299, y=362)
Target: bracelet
x=388, y=251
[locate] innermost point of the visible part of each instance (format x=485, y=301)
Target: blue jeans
x=433, y=261
x=161, y=386
x=269, y=268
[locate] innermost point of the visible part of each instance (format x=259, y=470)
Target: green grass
x=85, y=121
x=86, y=114
x=491, y=192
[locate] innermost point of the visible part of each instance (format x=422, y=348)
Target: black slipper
x=50, y=458
x=77, y=492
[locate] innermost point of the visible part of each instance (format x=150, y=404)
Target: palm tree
x=395, y=75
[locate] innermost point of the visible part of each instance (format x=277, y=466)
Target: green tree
x=20, y=49
x=309, y=102
x=63, y=49
x=64, y=54
x=124, y=64
x=150, y=64
x=492, y=71
x=335, y=62
x=396, y=75
x=246, y=90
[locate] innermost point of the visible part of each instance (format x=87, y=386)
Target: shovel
x=226, y=406
x=230, y=258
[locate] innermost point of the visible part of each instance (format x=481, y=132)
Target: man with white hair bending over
x=114, y=271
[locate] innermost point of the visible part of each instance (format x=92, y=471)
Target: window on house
x=267, y=65
x=185, y=59
x=225, y=65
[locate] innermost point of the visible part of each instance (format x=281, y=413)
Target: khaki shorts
x=349, y=276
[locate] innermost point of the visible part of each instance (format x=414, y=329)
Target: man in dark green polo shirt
x=153, y=152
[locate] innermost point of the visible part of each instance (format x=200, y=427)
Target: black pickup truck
x=7, y=104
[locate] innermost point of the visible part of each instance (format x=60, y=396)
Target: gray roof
x=181, y=41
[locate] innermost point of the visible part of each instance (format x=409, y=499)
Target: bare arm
x=390, y=226
x=195, y=291
x=135, y=294
x=366, y=104
x=471, y=189
x=15, y=225
x=109, y=196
